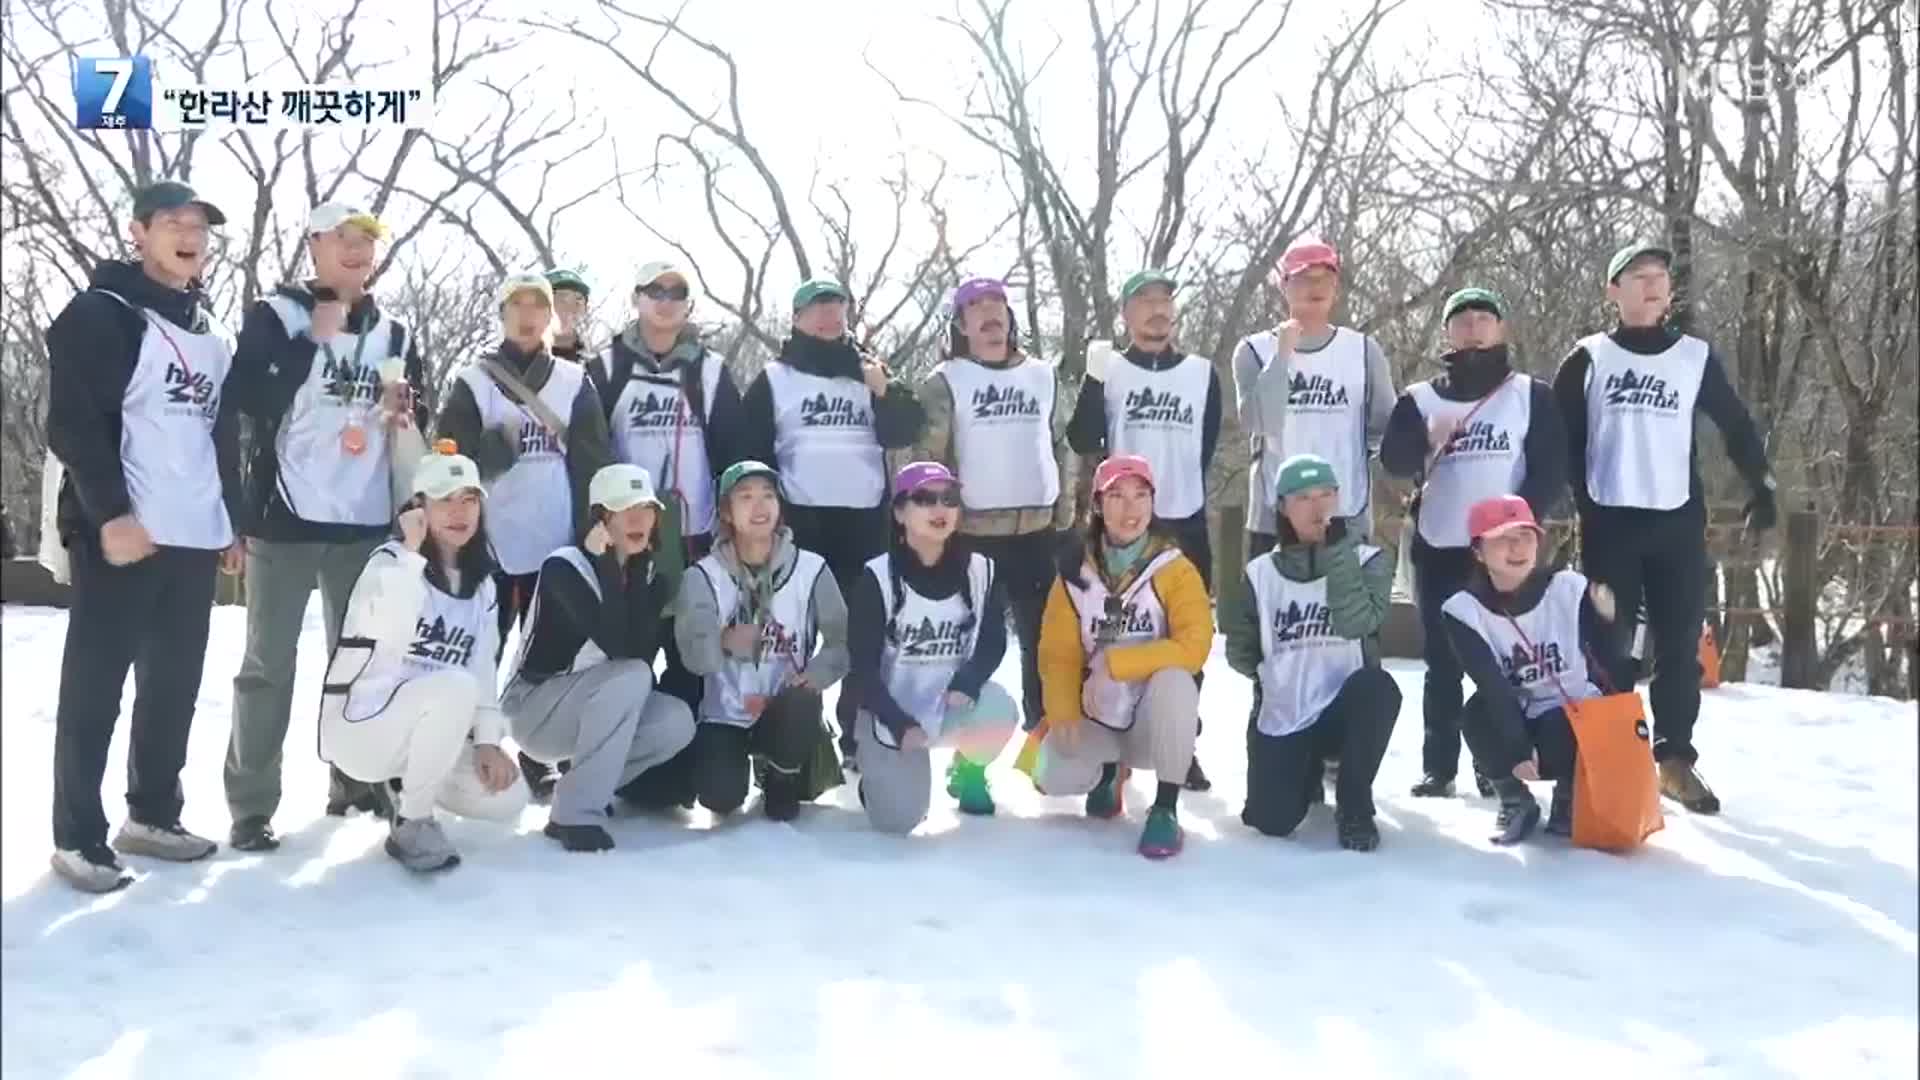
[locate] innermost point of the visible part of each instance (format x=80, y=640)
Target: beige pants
x=1165, y=725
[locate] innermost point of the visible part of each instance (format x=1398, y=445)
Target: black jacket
x=897, y=416
x=1087, y=430
x=1717, y=399
x=1472, y=374
x=721, y=420
x=867, y=631
x=624, y=620
x=93, y=349
x=269, y=367
x=495, y=450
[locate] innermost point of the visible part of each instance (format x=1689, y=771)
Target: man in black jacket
x=1477, y=430
x=1629, y=398
x=323, y=376
x=825, y=412
x=139, y=415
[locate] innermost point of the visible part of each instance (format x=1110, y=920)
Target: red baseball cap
x=1502, y=513
x=1307, y=253
x=1115, y=469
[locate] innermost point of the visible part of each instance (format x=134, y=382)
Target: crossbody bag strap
x=526, y=398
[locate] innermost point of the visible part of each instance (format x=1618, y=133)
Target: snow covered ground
x=1777, y=940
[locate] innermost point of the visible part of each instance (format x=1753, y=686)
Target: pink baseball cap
x=1502, y=513
x=1118, y=468
x=1307, y=253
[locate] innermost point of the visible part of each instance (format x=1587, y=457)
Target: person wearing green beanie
x=571, y=295
x=1629, y=397
x=1475, y=431
x=1306, y=631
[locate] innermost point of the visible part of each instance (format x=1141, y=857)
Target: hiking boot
x=1560, y=813
x=580, y=837
x=420, y=845
x=967, y=784
x=1682, y=783
x=780, y=796
x=344, y=793
x=1358, y=833
x=94, y=869
x=1484, y=783
x=252, y=834
x=1197, y=777
x=1108, y=798
x=1162, y=837
x=1434, y=787
x=1518, y=814
x=169, y=842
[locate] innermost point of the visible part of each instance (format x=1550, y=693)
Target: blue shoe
x=1162, y=838
x=1108, y=799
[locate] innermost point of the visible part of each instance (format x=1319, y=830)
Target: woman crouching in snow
x=746, y=621
x=927, y=624
x=409, y=693
x=1127, y=628
x=1526, y=634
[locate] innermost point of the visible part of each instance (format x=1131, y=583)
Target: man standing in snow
x=992, y=411
x=1475, y=431
x=323, y=374
x=1309, y=386
x=825, y=413
x=139, y=415
x=1628, y=398
x=1163, y=404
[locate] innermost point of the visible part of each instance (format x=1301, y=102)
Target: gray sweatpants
x=1165, y=725
x=608, y=721
x=280, y=579
x=897, y=785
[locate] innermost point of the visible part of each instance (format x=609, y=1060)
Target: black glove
x=1760, y=511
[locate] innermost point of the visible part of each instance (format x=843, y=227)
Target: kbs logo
x=113, y=92
x=821, y=411
x=441, y=643
x=1643, y=393
x=1164, y=407
x=928, y=640
x=190, y=392
x=1524, y=666
x=1315, y=392
x=1298, y=624
x=1478, y=437
x=536, y=439
x=993, y=403
x=653, y=412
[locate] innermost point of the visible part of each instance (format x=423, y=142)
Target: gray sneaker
x=170, y=842
x=94, y=870
x=421, y=845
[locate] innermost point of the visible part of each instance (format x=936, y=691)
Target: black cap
x=172, y=195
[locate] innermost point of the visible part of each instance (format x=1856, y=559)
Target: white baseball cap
x=329, y=216
x=529, y=281
x=621, y=486
x=446, y=471
x=654, y=271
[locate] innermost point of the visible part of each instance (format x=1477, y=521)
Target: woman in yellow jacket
x=1127, y=628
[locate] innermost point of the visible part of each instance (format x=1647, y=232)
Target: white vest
x=1485, y=459
x=166, y=434
x=927, y=642
x=1161, y=415
x=1305, y=663
x=1327, y=415
x=530, y=506
x=320, y=481
x=1541, y=658
x=590, y=654
x=450, y=634
x=654, y=427
x=1003, y=433
x=1640, y=422
x=1136, y=616
x=786, y=639
x=823, y=439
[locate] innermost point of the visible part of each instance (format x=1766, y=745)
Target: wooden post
x=1798, y=653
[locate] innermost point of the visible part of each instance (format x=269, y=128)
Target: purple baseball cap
x=918, y=474
x=977, y=289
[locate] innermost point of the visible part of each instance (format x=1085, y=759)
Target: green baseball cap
x=568, y=279
x=1143, y=278
x=819, y=289
x=172, y=195
x=740, y=470
x=1625, y=256
x=1303, y=471
x=1473, y=297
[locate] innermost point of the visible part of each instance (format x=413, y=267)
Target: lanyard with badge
x=353, y=434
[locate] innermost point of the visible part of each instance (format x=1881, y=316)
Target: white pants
x=421, y=737
x=1165, y=726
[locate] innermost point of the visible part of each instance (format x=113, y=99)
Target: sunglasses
x=665, y=292
x=946, y=496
